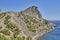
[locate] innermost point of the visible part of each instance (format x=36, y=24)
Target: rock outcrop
x=27, y=23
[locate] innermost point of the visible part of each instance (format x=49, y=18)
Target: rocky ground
x=27, y=23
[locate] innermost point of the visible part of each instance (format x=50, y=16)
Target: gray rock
x=29, y=22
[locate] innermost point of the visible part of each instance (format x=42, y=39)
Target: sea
x=55, y=34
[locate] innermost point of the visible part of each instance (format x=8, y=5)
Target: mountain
x=28, y=24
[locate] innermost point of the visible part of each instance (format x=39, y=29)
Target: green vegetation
x=6, y=19
x=0, y=27
x=40, y=38
x=28, y=38
x=39, y=15
x=23, y=37
x=28, y=20
x=2, y=37
x=5, y=32
x=11, y=26
x=19, y=38
x=2, y=15
x=31, y=28
x=19, y=14
x=16, y=32
x=45, y=22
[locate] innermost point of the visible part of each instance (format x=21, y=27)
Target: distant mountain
x=27, y=24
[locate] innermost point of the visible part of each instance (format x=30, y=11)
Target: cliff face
x=27, y=23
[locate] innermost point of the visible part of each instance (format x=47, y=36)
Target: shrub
x=5, y=31
x=2, y=37
x=16, y=32
x=31, y=28
x=6, y=19
x=19, y=38
x=29, y=38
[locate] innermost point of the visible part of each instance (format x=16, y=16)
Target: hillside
x=25, y=25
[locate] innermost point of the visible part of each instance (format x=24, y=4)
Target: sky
x=50, y=9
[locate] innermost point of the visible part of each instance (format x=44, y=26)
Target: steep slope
x=27, y=23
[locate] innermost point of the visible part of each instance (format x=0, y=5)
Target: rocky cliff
x=25, y=24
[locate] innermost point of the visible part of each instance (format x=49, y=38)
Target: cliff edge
x=28, y=24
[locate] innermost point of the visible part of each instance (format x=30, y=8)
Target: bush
x=11, y=26
x=28, y=38
x=6, y=19
x=40, y=38
x=2, y=15
x=16, y=32
x=5, y=31
x=19, y=38
x=2, y=37
x=31, y=28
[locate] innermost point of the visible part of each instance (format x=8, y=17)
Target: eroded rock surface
x=25, y=23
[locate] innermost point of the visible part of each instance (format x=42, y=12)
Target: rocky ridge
x=27, y=23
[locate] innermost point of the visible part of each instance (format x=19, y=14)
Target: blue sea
x=55, y=35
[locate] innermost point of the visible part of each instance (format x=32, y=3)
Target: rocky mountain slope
x=25, y=24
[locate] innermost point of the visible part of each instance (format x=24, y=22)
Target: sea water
x=55, y=35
